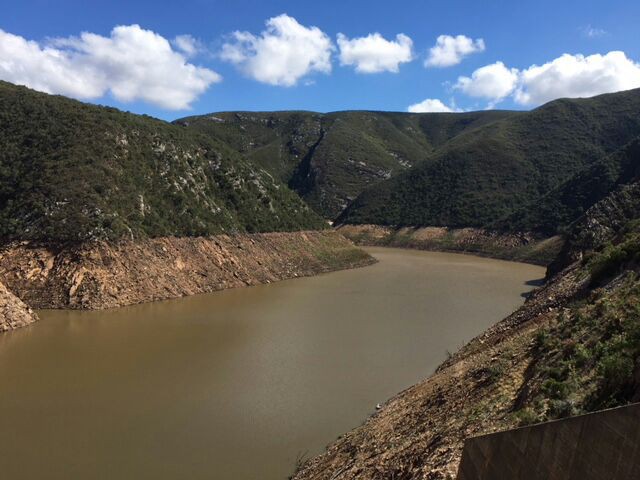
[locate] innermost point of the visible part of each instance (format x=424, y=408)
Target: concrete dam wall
x=598, y=446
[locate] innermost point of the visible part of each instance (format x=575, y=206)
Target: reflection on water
x=238, y=383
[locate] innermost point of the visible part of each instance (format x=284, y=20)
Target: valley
x=124, y=214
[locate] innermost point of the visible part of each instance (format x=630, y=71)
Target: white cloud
x=132, y=64
x=374, y=54
x=187, y=45
x=449, y=50
x=282, y=54
x=429, y=105
x=577, y=76
x=494, y=82
x=593, y=32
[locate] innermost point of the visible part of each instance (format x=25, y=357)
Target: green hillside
x=488, y=173
x=329, y=159
x=571, y=199
x=71, y=171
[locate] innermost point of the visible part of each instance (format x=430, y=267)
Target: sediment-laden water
x=237, y=384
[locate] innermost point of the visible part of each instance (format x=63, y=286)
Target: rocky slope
x=520, y=247
x=573, y=347
x=13, y=312
x=103, y=274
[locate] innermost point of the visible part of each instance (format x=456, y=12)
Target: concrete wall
x=599, y=446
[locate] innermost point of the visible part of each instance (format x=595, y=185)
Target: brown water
x=236, y=384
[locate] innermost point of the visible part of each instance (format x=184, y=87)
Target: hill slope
x=573, y=347
x=487, y=173
x=571, y=199
x=71, y=172
x=328, y=159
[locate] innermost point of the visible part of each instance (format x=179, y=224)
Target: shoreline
x=523, y=247
x=101, y=275
x=37, y=277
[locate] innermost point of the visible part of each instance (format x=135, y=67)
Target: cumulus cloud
x=569, y=76
x=450, y=50
x=429, y=105
x=132, y=64
x=374, y=53
x=493, y=82
x=282, y=54
x=577, y=76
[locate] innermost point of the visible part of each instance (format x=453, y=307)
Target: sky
x=171, y=59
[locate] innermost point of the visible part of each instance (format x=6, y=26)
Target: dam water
x=238, y=384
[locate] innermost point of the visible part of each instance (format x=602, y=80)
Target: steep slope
x=328, y=159
x=487, y=173
x=573, y=347
x=13, y=312
x=71, y=172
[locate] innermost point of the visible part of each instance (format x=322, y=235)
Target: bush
x=610, y=262
x=555, y=389
x=526, y=416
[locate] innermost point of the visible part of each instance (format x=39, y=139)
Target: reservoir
x=237, y=384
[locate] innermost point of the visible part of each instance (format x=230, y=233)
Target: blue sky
x=36, y=34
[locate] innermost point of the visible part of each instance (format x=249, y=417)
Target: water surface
x=239, y=383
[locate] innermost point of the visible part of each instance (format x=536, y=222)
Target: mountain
x=488, y=173
x=329, y=159
x=72, y=172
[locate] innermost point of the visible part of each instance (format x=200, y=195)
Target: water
x=240, y=383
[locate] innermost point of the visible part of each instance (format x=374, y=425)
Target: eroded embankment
x=523, y=247
x=104, y=275
x=13, y=312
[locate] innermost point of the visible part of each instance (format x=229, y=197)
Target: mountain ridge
x=468, y=169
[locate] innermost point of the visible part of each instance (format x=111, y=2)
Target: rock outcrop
x=13, y=312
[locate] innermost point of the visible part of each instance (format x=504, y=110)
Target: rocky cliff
x=13, y=312
x=101, y=274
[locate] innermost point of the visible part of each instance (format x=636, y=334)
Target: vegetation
x=567, y=202
x=536, y=171
x=71, y=172
x=509, y=171
x=328, y=159
x=588, y=357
